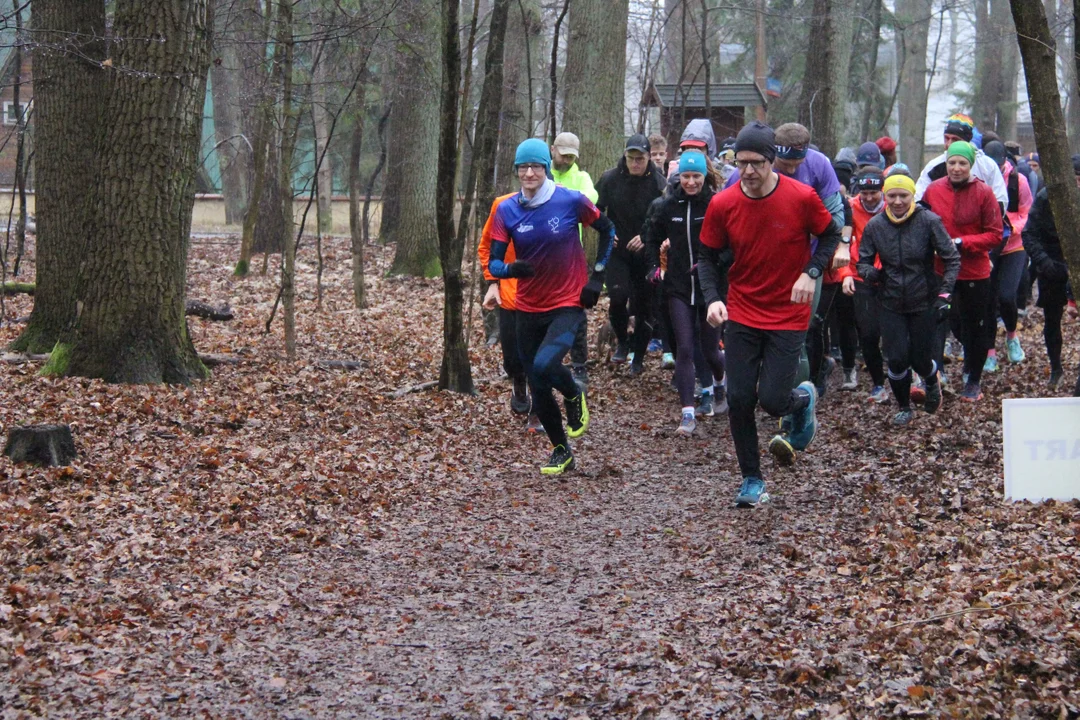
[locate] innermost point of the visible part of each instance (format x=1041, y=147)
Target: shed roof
x=720, y=95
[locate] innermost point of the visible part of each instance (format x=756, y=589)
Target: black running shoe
x=577, y=415
x=560, y=461
x=933, y=397
x=519, y=398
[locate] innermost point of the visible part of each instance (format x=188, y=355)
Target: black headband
x=791, y=152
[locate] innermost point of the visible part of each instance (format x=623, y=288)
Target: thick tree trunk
x=233, y=151
x=456, y=372
x=414, y=142
x=522, y=32
x=996, y=68
x=824, y=97
x=131, y=325
x=1037, y=48
x=594, y=80
x=356, y=226
x=871, y=89
x=68, y=89
x=913, y=21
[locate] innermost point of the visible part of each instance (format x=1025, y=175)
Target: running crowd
x=758, y=266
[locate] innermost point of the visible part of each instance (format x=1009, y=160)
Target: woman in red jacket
x=972, y=216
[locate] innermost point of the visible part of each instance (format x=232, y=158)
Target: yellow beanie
x=899, y=182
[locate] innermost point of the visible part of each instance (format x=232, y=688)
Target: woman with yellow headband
x=904, y=239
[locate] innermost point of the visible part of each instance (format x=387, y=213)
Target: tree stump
x=41, y=444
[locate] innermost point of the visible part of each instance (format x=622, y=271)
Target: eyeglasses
x=636, y=158
x=756, y=164
x=534, y=167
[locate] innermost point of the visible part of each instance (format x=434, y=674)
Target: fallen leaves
x=291, y=540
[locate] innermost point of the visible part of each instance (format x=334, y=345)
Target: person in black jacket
x=677, y=217
x=904, y=239
x=1043, y=246
x=625, y=194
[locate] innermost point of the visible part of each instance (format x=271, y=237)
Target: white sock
x=707, y=390
x=688, y=410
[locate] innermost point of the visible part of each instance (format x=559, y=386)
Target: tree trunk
x=823, y=102
x=456, y=372
x=1072, y=76
x=522, y=30
x=356, y=226
x=553, y=69
x=381, y=132
x=872, y=85
x=131, y=325
x=68, y=88
x=414, y=141
x=486, y=137
x=682, y=34
x=1037, y=48
x=996, y=67
x=1010, y=71
x=256, y=100
x=594, y=80
x=233, y=151
x=20, y=142
x=290, y=121
x=320, y=121
x=913, y=22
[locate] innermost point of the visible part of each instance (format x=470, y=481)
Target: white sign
x=1042, y=448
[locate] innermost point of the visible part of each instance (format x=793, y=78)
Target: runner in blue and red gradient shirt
x=554, y=285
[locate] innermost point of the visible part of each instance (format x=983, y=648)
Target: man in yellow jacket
x=564, y=170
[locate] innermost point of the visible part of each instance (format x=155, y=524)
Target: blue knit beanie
x=533, y=150
x=692, y=161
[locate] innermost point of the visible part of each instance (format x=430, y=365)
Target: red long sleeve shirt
x=970, y=212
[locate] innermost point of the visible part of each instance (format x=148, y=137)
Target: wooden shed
x=679, y=104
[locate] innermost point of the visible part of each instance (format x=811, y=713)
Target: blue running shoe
x=655, y=346
x=804, y=422
x=752, y=493
x=1016, y=353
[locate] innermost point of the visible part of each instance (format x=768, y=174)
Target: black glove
x=590, y=294
x=1053, y=270
x=520, y=269
x=942, y=307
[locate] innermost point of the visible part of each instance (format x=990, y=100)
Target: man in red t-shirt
x=764, y=227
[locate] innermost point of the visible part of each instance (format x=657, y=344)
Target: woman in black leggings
x=904, y=239
x=1044, y=248
x=677, y=217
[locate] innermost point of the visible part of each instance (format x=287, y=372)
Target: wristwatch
x=845, y=240
x=814, y=273
x=599, y=267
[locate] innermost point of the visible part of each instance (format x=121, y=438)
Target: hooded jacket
x=970, y=212
x=678, y=217
x=625, y=199
x=700, y=129
x=906, y=282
